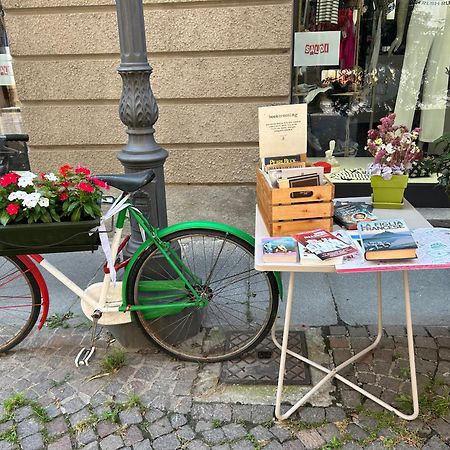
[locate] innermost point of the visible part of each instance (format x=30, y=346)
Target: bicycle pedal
x=84, y=355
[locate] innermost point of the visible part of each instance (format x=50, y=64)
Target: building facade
x=214, y=63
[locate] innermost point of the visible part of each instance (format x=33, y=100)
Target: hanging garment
x=427, y=58
x=348, y=40
x=327, y=11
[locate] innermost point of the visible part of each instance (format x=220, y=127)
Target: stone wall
x=214, y=62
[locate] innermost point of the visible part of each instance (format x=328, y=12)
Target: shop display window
x=354, y=61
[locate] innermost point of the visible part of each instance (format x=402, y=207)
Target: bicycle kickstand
x=85, y=354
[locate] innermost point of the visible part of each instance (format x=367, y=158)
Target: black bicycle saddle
x=128, y=182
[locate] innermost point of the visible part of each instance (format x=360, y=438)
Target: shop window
x=357, y=60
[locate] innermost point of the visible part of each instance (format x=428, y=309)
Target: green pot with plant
x=49, y=212
x=394, y=150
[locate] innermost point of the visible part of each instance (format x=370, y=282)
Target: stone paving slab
x=152, y=402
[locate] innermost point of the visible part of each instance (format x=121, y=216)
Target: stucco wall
x=214, y=62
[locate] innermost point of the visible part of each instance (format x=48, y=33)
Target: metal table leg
x=334, y=372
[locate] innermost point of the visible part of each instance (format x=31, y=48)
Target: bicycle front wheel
x=241, y=302
x=20, y=302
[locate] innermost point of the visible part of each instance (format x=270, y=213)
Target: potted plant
x=49, y=212
x=394, y=150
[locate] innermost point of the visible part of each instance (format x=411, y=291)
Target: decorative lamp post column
x=139, y=112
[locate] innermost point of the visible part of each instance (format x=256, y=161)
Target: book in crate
x=286, y=211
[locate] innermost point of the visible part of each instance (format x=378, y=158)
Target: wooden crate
x=286, y=211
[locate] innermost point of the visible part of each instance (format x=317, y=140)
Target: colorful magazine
x=324, y=244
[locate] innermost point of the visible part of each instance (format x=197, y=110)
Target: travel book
x=324, y=244
x=387, y=239
x=348, y=214
x=279, y=249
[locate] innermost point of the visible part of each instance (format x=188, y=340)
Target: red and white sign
x=317, y=48
x=6, y=70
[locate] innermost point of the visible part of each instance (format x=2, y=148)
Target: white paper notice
x=317, y=48
x=282, y=130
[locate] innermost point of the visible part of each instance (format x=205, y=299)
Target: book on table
x=348, y=214
x=324, y=246
x=387, y=239
x=279, y=249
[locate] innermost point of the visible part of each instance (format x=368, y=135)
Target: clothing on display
x=327, y=11
x=348, y=39
x=427, y=58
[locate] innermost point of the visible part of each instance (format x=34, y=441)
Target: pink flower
x=83, y=170
x=8, y=179
x=64, y=169
x=99, y=183
x=12, y=209
x=85, y=187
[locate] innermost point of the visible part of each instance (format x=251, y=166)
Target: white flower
x=51, y=177
x=26, y=179
x=31, y=200
x=16, y=195
x=389, y=149
x=43, y=201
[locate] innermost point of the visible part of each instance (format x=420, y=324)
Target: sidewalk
x=156, y=402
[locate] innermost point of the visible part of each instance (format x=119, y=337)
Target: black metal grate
x=261, y=365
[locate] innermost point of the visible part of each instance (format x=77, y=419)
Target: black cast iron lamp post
x=139, y=112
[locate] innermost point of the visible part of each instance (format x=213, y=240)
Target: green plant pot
x=56, y=237
x=388, y=193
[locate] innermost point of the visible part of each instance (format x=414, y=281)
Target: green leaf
x=75, y=217
x=4, y=218
x=88, y=210
x=55, y=215
x=72, y=206
x=46, y=217
x=65, y=206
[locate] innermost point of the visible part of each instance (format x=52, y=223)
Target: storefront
x=363, y=60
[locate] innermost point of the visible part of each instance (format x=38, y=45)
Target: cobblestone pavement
x=148, y=403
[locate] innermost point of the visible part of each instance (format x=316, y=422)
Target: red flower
x=84, y=170
x=12, y=209
x=63, y=196
x=65, y=184
x=85, y=187
x=99, y=183
x=8, y=179
x=64, y=169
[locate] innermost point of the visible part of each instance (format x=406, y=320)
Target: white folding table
x=414, y=220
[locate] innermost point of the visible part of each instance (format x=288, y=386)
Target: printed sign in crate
x=286, y=211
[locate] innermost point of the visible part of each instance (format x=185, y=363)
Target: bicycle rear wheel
x=20, y=302
x=242, y=302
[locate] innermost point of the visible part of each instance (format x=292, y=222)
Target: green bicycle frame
x=178, y=293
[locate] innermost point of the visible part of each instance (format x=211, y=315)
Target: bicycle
x=191, y=287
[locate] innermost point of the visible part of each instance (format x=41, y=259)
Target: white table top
x=411, y=216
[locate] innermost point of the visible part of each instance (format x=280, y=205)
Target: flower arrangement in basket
x=72, y=195
x=393, y=147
